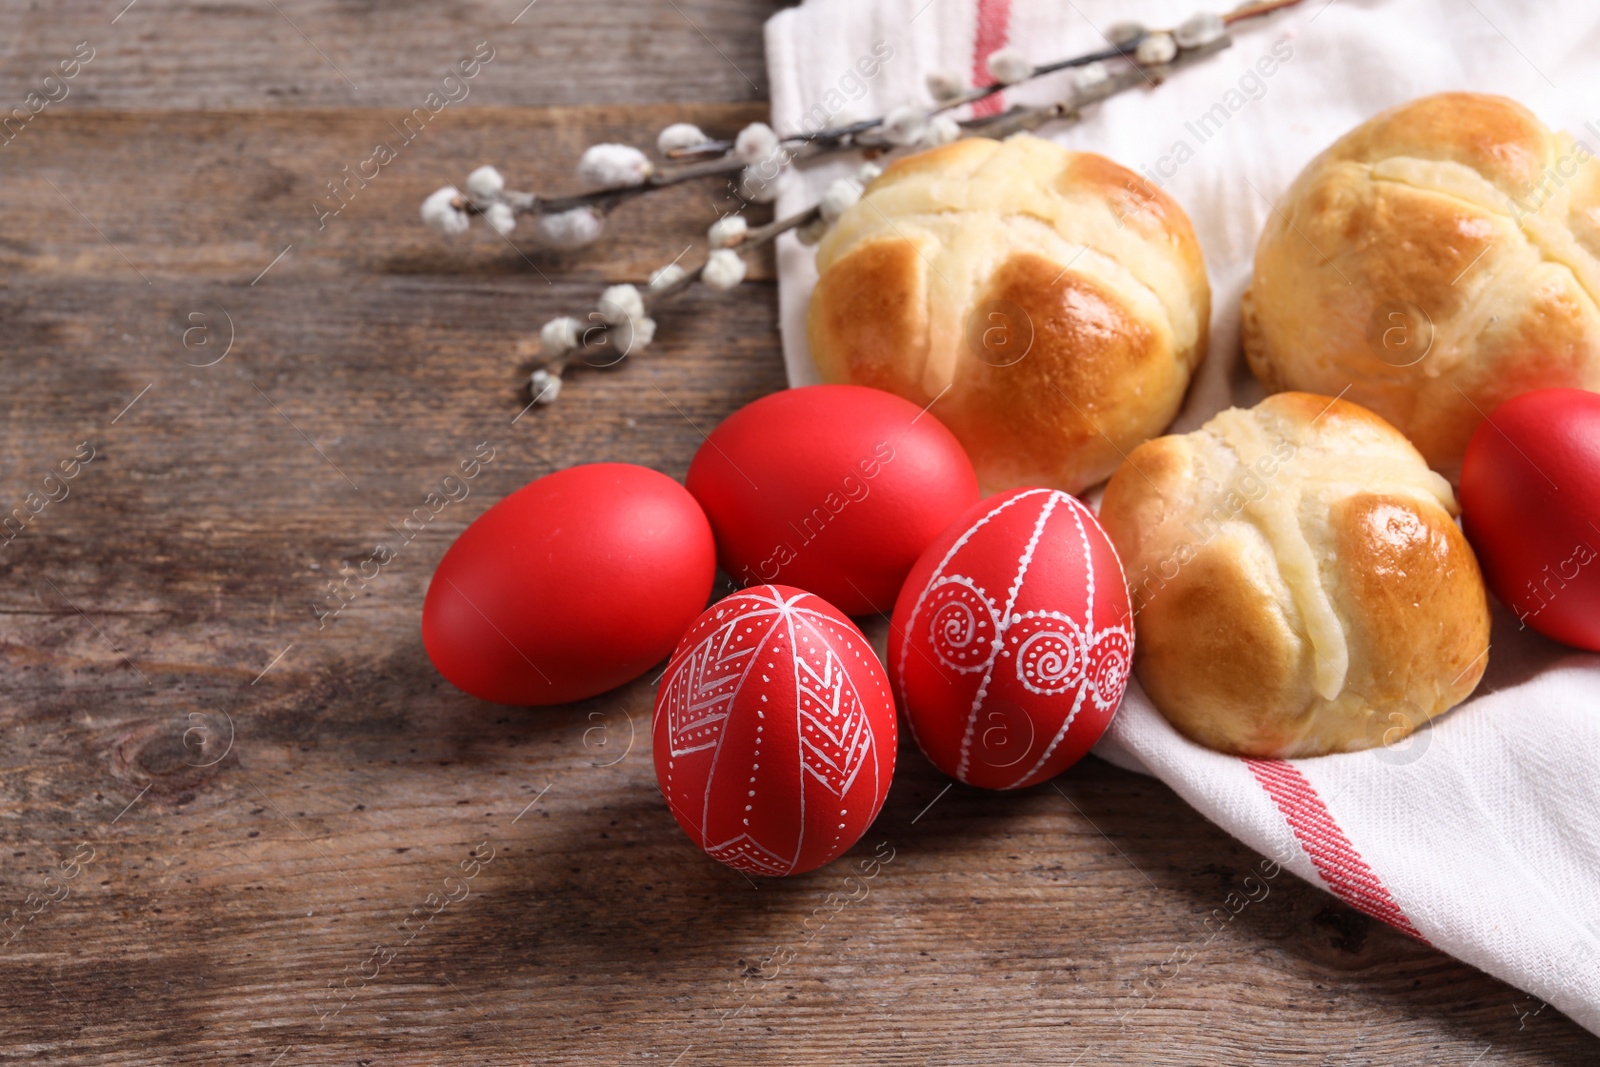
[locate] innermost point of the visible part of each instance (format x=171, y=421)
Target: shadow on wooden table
x=355, y=795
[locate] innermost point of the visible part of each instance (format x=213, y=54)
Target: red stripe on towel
x=994, y=25
x=1331, y=852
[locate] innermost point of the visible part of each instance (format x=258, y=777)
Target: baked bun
x=1437, y=260
x=1060, y=299
x=1297, y=581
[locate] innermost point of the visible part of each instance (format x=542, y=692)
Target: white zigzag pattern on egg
x=835, y=734
x=835, y=737
x=702, y=690
x=745, y=853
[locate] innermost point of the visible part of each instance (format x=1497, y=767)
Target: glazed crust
x=1054, y=302
x=1435, y=261
x=1299, y=584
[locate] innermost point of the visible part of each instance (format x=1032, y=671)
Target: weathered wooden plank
x=217, y=196
x=362, y=53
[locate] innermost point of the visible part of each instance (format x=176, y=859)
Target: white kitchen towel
x=1481, y=834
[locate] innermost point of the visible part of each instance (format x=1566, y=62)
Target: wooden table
x=235, y=836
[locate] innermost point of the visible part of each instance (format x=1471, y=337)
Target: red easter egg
x=774, y=732
x=1530, y=502
x=1012, y=640
x=572, y=585
x=835, y=489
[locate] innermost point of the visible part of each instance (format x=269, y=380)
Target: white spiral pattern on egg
x=1049, y=652
x=1057, y=655
x=962, y=624
x=1109, y=659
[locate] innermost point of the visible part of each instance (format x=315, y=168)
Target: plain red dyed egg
x=774, y=732
x=835, y=489
x=1011, y=642
x=1530, y=502
x=572, y=585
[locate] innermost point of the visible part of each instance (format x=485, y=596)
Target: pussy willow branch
x=867, y=133
x=600, y=344
x=1125, y=50
x=754, y=238
x=1015, y=120
x=1018, y=119
x=606, y=199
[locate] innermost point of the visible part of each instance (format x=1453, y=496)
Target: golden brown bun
x=959, y=256
x=1436, y=261
x=1298, y=582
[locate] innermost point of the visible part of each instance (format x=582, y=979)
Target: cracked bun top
x=1051, y=305
x=1298, y=581
x=1438, y=259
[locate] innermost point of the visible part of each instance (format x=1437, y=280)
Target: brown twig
x=867, y=133
x=868, y=136
x=1250, y=11
x=761, y=235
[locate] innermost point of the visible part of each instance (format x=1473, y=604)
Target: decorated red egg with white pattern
x=774, y=732
x=1012, y=640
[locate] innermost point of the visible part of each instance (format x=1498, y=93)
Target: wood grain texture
x=275, y=810
x=386, y=53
